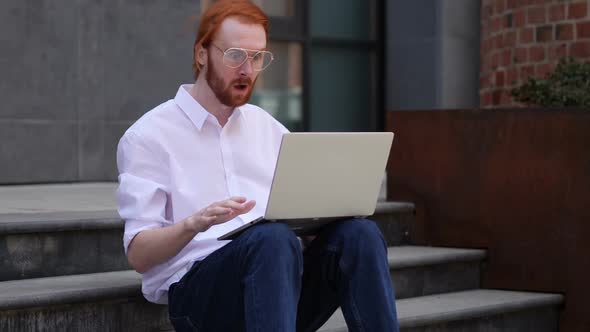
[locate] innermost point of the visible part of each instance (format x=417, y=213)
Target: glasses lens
x=234, y=57
x=261, y=60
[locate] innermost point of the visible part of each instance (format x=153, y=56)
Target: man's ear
x=201, y=55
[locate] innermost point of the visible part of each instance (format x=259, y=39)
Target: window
x=279, y=87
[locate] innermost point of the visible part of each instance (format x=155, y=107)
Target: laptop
x=323, y=177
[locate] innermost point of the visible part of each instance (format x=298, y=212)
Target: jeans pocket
x=183, y=324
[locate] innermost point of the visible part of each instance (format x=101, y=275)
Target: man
x=200, y=165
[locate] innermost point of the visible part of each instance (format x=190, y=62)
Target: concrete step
x=474, y=310
x=34, y=245
x=418, y=271
x=395, y=220
x=52, y=243
x=111, y=301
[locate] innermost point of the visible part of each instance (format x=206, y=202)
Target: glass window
x=270, y=7
x=278, y=88
x=341, y=85
x=277, y=7
x=345, y=19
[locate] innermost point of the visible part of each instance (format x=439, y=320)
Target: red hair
x=211, y=20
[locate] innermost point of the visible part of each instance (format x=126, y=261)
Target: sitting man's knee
x=362, y=229
x=273, y=235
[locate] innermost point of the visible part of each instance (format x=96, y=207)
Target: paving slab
x=68, y=289
x=465, y=305
x=412, y=312
x=47, y=207
x=57, y=198
x=89, y=197
x=413, y=256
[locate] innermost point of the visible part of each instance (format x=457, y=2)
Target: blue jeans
x=263, y=281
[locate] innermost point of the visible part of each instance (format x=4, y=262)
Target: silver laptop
x=323, y=177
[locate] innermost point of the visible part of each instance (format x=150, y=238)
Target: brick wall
x=522, y=38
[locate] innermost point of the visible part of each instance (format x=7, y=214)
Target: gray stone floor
x=47, y=198
x=71, y=197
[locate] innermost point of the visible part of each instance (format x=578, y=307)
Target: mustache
x=242, y=80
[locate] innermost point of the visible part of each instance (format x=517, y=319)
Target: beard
x=225, y=93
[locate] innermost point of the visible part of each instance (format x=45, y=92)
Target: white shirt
x=177, y=159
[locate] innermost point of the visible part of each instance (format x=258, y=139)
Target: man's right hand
x=155, y=246
x=218, y=213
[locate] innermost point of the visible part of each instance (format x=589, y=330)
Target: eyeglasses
x=234, y=57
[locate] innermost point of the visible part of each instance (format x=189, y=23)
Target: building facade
x=77, y=75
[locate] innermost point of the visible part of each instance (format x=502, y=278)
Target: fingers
x=224, y=211
x=245, y=207
x=249, y=206
x=239, y=206
x=216, y=211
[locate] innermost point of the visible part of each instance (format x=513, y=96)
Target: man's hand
x=155, y=246
x=218, y=213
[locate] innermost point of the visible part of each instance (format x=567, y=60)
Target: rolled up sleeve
x=142, y=193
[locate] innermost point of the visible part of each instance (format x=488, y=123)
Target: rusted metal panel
x=514, y=181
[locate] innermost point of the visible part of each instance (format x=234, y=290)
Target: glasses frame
x=248, y=56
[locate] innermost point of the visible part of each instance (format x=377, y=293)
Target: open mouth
x=241, y=87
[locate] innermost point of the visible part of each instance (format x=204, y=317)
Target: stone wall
x=77, y=74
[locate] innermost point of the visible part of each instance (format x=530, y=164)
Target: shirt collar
x=195, y=112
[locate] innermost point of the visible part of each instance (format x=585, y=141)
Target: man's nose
x=246, y=68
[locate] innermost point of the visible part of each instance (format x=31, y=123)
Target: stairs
x=62, y=268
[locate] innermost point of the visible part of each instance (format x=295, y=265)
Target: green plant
x=567, y=85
